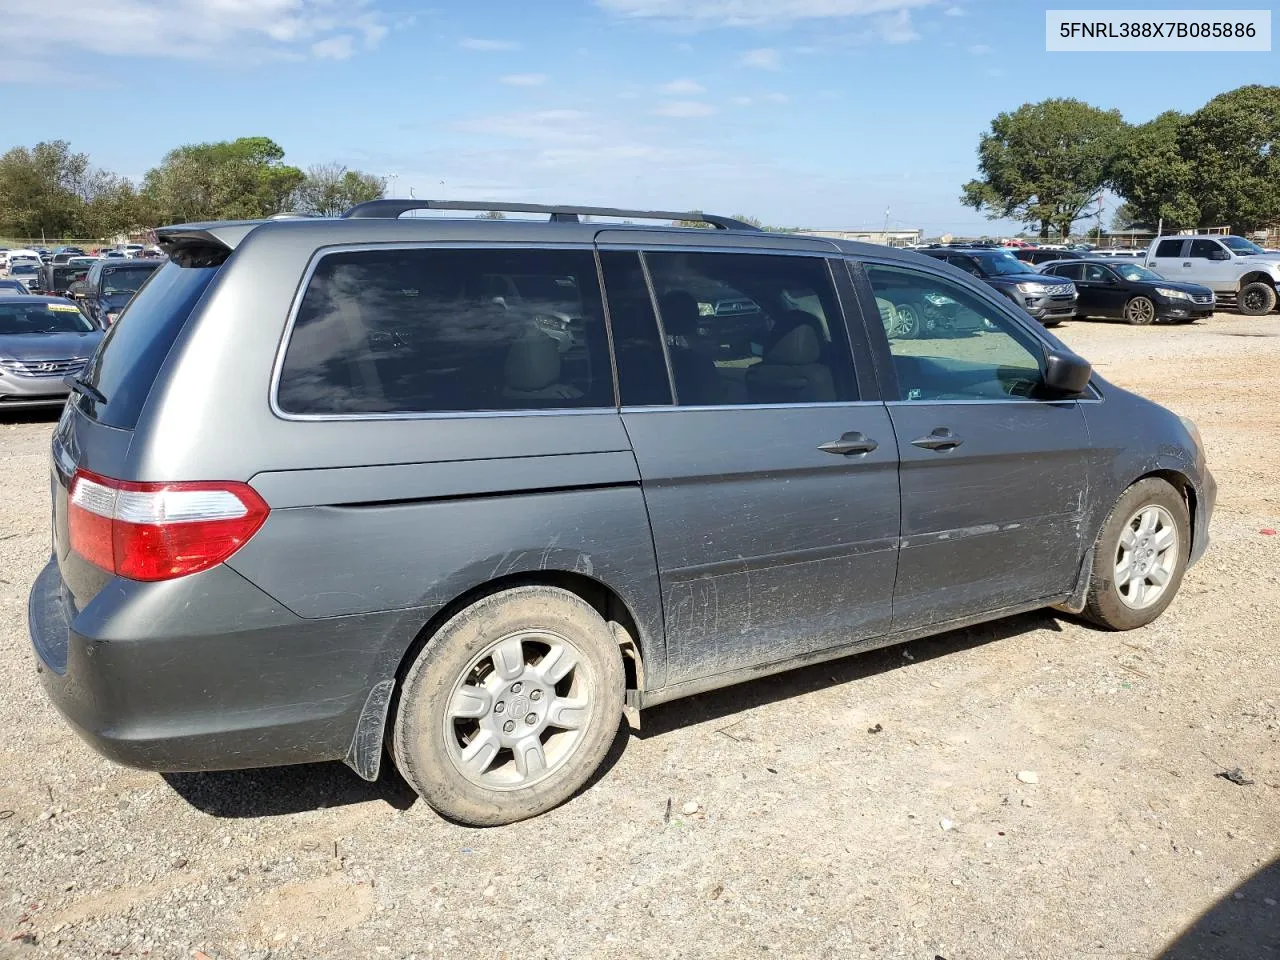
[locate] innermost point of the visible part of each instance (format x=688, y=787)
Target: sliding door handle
x=849, y=444
x=940, y=439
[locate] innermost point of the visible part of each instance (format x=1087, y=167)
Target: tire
x=1140, y=312
x=1050, y=323
x=910, y=321
x=437, y=727
x=1256, y=299
x=1111, y=600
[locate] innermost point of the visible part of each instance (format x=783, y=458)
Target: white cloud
x=340, y=47
x=684, y=48
x=254, y=30
x=979, y=49
x=776, y=98
x=683, y=88
x=486, y=45
x=683, y=109
x=552, y=126
x=524, y=79
x=764, y=58
x=955, y=12
x=742, y=101
x=742, y=13
x=897, y=28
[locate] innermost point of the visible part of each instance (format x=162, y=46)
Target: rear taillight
x=158, y=531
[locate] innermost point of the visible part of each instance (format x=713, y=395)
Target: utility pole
x=391, y=184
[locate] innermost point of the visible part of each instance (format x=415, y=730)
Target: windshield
x=42, y=318
x=23, y=269
x=1131, y=271
x=1001, y=264
x=1241, y=245
x=122, y=281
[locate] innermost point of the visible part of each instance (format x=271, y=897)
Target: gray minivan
x=323, y=493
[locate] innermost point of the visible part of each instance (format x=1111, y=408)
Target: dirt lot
x=815, y=837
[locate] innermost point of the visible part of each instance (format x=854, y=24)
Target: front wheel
x=510, y=707
x=1140, y=312
x=1257, y=299
x=1139, y=557
x=910, y=321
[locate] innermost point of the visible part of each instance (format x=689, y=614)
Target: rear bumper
x=203, y=673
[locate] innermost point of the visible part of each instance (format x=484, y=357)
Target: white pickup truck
x=1232, y=267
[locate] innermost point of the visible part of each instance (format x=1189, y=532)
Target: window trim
x=890, y=389
x=318, y=255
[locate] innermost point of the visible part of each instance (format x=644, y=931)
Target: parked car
x=20, y=255
x=108, y=286
x=1039, y=255
x=129, y=249
x=1113, y=288
x=42, y=340
x=26, y=272
x=1230, y=266
x=1049, y=299
x=318, y=496
x=56, y=278
x=9, y=287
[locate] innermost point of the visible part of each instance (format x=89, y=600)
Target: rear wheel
x=1257, y=299
x=1139, y=557
x=1140, y=311
x=910, y=321
x=510, y=707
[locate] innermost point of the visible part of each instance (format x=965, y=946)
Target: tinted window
x=751, y=328
x=427, y=330
x=135, y=346
x=967, y=264
x=948, y=344
x=1069, y=270
x=1169, y=248
x=637, y=345
x=122, y=281
x=1096, y=273
x=1204, y=248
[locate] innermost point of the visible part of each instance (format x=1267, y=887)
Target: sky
x=816, y=113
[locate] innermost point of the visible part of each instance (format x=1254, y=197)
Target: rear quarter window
x=445, y=330
x=124, y=368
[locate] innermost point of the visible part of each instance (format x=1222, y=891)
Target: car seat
x=791, y=370
x=697, y=380
x=532, y=371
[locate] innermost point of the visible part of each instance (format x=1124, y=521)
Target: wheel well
x=602, y=599
x=1255, y=277
x=1184, y=487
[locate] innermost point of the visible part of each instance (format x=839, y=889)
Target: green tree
x=1232, y=145
x=1153, y=174
x=42, y=190
x=240, y=179
x=1044, y=163
x=330, y=189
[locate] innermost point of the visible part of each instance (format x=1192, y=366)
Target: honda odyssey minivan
x=328, y=490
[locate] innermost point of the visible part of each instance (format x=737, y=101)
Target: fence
x=26, y=243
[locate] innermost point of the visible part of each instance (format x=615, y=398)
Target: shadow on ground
x=1240, y=926
x=278, y=791
x=723, y=703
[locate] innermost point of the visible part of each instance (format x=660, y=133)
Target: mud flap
x=365, y=753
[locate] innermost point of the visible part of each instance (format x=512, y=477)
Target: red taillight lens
x=158, y=531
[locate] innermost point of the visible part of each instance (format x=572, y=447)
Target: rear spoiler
x=203, y=244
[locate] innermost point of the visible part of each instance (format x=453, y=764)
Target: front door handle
x=1186, y=263
x=940, y=439
x=849, y=444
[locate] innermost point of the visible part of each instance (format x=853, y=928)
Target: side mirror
x=1066, y=374
x=1219, y=254
x=76, y=290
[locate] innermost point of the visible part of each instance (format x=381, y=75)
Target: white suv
x=1229, y=265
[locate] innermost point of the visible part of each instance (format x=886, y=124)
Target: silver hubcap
x=908, y=320
x=1146, y=557
x=1141, y=310
x=518, y=711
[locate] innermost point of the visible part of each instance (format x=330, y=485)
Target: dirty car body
x=732, y=516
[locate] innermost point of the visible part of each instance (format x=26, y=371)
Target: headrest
x=679, y=313
x=801, y=344
x=533, y=362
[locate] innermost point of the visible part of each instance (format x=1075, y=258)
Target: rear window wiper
x=80, y=386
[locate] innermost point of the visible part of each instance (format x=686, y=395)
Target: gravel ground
x=1035, y=788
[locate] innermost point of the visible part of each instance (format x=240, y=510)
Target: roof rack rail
x=391, y=209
